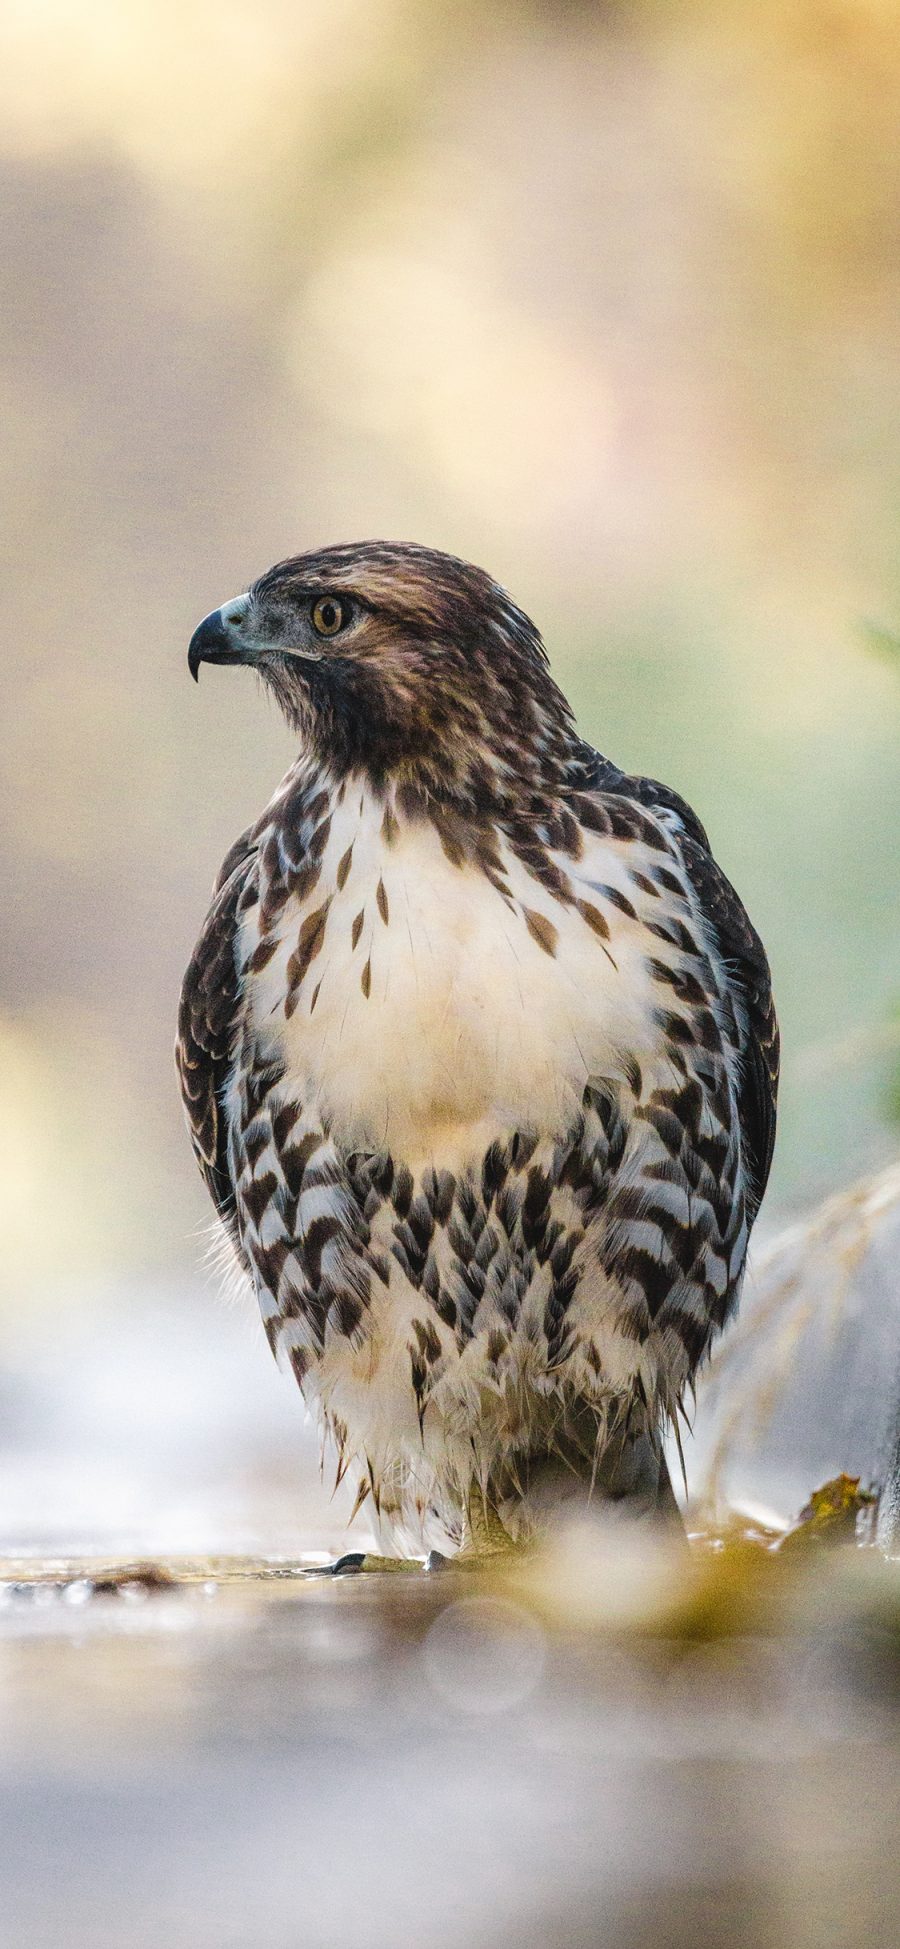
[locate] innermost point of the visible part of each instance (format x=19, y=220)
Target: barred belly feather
x=479, y=1183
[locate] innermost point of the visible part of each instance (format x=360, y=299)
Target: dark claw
x=350, y=1565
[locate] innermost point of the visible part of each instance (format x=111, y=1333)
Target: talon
x=349, y=1565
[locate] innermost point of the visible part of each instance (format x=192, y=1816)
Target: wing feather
x=743, y=959
x=208, y=1023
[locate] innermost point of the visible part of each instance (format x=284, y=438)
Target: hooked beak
x=218, y=640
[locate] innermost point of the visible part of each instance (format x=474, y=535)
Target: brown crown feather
x=443, y=683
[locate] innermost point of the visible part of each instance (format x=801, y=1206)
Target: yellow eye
x=328, y=616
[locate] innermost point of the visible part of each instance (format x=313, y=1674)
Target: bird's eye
x=328, y=616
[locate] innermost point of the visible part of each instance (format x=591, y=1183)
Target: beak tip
x=213, y=642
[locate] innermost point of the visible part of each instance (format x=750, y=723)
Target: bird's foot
x=485, y=1539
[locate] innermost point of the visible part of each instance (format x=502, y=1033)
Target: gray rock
x=807, y=1383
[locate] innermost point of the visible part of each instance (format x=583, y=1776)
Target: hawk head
x=397, y=660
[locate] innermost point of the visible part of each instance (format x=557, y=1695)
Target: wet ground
x=613, y=1743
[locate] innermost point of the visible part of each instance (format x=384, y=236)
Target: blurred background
x=604, y=297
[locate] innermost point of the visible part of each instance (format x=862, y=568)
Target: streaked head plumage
x=392, y=657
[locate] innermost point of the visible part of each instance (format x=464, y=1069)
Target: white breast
x=469, y=1026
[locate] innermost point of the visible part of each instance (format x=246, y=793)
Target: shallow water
x=610, y=1743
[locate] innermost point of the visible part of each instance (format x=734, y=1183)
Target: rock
x=806, y=1385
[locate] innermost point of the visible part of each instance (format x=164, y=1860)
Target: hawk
x=478, y=1053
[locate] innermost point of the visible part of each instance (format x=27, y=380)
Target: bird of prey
x=478, y=1053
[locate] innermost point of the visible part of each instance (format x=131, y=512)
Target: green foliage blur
x=604, y=298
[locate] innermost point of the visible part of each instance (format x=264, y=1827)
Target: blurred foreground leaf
x=831, y=1514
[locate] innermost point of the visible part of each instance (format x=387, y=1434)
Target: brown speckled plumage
x=498, y=1204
